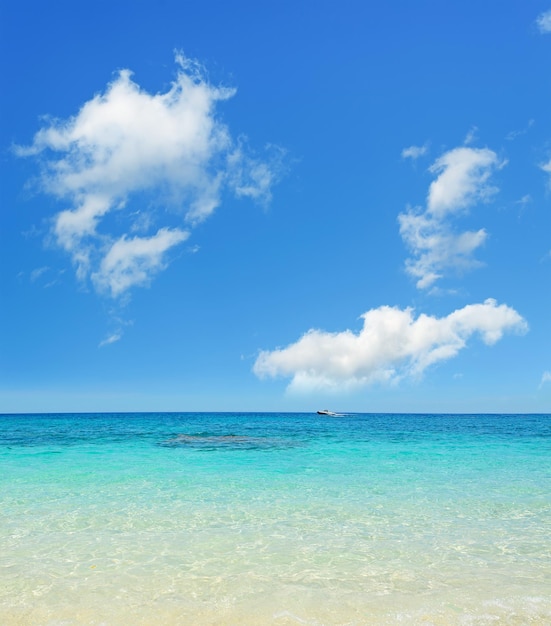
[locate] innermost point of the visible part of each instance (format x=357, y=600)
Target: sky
x=212, y=206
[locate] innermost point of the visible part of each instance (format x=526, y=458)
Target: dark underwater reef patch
x=233, y=442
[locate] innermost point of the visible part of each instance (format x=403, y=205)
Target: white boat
x=327, y=412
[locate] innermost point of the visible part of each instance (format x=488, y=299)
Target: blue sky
x=276, y=206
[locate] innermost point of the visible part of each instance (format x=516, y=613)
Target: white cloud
x=546, y=378
x=462, y=180
x=526, y=199
x=391, y=345
x=38, y=272
x=546, y=167
x=512, y=135
x=463, y=174
x=471, y=135
x=414, y=152
x=544, y=22
x=113, y=338
x=131, y=262
x=436, y=248
x=523, y=203
x=168, y=151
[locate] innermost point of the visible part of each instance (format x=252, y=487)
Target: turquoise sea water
x=252, y=519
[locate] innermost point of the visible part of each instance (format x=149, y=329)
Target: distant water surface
x=269, y=518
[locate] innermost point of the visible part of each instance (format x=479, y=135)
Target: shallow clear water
x=252, y=519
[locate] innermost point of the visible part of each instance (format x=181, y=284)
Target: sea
x=253, y=519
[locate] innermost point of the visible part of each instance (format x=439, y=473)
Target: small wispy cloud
x=38, y=272
x=131, y=262
x=124, y=145
x=414, y=152
x=118, y=324
x=526, y=199
x=523, y=203
x=512, y=135
x=546, y=167
x=113, y=338
x=546, y=378
x=471, y=136
x=391, y=345
x=544, y=22
x=462, y=180
x=44, y=276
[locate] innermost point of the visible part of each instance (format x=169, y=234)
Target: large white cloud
x=167, y=151
x=462, y=180
x=391, y=345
